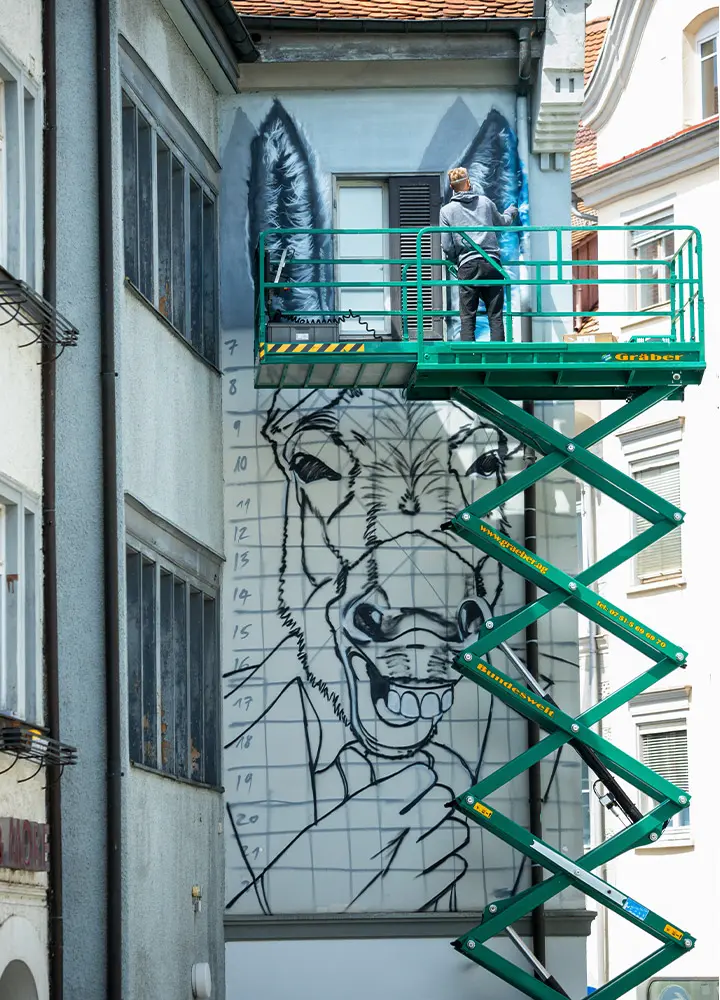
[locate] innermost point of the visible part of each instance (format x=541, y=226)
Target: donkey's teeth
x=409, y=707
x=447, y=700
x=430, y=706
x=393, y=701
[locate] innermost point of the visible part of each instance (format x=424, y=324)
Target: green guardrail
x=531, y=280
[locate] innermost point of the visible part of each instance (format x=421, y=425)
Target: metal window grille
x=173, y=669
x=170, y=231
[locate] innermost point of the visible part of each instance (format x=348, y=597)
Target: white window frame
x=661, y=216
x=20, y=171
x=20, y=620
x=646, y=448
x=661, y=712
x=340, y=182
x=707, y=33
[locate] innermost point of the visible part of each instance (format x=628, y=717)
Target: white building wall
x=650, y=75
x=23, y=909
x=678, y=880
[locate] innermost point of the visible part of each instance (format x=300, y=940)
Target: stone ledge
x=560, y=923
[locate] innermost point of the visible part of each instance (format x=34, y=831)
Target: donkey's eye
x=309, y=469
x=487, y=464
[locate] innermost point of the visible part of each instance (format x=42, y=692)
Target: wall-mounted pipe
x=535, y=792
x=48, y=432
x=111, y=564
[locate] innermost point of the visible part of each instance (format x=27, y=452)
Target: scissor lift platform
x=515, y=371
x=488, y=378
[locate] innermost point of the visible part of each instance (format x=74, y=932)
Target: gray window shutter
x=662, y=558
x=666, y=752
x=414, y=204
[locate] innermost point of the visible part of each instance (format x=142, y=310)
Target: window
x=707, y=54
x=585, y=296
x=650, y=248
x=172, y=656
x=19, y=174
x=663, y=558
x=663, y=747
x=20, y=661
x=411, y=203
x=170, y=229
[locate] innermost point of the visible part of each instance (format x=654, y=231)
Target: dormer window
x=700, y=55
x=707, y=52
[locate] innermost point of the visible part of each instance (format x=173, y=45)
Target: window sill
x=173, y=777
x=657, y=586
x=668, y=842
x=168, y=326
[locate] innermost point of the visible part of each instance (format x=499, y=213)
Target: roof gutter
x=235, y=30
x=307, y=25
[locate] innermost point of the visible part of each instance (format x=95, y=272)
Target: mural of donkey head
x=379, y=599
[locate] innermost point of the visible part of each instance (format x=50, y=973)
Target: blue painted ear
x=285, y=192
x=492, y=161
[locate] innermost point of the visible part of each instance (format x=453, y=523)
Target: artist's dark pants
x=470, y=295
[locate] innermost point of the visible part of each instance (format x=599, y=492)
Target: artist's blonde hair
x=457, y=176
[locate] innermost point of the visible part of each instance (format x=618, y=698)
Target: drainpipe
x=50, y=610
x=593, y=696
x=111, y=565
x=535, y=793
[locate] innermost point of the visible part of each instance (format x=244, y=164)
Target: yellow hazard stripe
x=351, y=348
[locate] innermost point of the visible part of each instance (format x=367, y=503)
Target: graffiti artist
x=469, y=208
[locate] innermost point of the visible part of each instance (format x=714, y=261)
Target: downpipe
x=111, y=564
x=49, y=537
x=535, y=794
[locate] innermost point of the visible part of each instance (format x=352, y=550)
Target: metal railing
x=665, y=294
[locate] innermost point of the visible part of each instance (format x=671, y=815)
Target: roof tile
x=385, y=10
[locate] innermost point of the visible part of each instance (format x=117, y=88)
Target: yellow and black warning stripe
x=308, y=348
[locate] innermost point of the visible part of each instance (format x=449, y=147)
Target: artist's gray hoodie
x=467, y=209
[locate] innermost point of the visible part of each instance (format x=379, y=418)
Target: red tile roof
x=583, y=158
x=385, y=10
x=594, y=38
x=660, y=142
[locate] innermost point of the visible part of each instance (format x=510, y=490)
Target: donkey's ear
x=286, y=191
x=492, y=161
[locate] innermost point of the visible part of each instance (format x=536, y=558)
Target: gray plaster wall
x=79, y=510
x=170, y=458
x=389, y=969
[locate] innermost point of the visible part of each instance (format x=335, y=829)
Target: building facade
x=139, y=493
x=341, y=741
x=24, y=970
x=649, y=157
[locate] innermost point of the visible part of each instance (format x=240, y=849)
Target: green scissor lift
x=488, y=379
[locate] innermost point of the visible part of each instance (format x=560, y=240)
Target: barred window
x=173, y=667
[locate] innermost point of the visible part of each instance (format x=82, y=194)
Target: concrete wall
x=317, y=769
x=79, y=508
